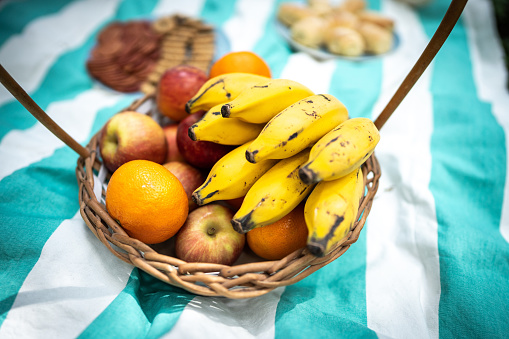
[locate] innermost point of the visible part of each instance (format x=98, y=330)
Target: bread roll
x=289, y=13
x=354, y=6
x=377, y=39
x=342, y=19
x=345, y=41
x=309, y=31
x=320, y=7
x=377, y=19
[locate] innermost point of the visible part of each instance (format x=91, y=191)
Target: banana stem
x=444, y=29
x=19, y=93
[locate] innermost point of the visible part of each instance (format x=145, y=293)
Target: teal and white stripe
x=402, y=252
x=430, y=262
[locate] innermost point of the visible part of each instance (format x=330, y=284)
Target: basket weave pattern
x=236, y=282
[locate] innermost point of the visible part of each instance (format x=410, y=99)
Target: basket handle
x=444, y=29
x=19, y=93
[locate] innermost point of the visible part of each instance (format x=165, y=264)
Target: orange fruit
x=147, y=200
x=242, y=62
x=277, y=240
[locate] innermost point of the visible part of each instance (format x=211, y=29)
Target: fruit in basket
x=147, y=200
x=221, y=89
x=173, y=154
x=131, y=136
x=297, y=127
x=261, y=102
x=273, y=195
x=240, y=61
x=331, y=210
x=207, y=236
x=341, y=151
x=201, y=154
x=214, y=128
x=277, y=240
x=231, y=177
x=190, y=177
x=176, y=86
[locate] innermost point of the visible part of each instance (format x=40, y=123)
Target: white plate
x=322, y=53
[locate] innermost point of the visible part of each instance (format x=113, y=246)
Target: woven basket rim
x=235, y=282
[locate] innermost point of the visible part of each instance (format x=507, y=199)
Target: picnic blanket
x=431, y=262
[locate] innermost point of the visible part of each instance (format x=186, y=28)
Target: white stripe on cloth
x=402, y=276
x=29, y=55
x=247, y=25
x=75, y=116
x=223, y=318
x=490, y=76
x=304, y=69
x=170, y=7
x=75, y=279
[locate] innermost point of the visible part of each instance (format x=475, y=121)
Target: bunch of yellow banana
x=293, y=145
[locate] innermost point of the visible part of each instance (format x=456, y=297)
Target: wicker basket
x=244, y=280
x=239, y=281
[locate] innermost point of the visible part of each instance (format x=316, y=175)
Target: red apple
x=208, y=236
x=190, y=177
x=176, y=87
x=171, y=137
x=201, y=154
x=131, y=136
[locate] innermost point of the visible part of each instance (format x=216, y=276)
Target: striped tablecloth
x=432, y=261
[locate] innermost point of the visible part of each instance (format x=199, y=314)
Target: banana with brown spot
x=214, y=128
x=221, y=89
x=297, y=127
x=341, y=151
x=230, y=177
x=273, y=195
x=261, y=102
x=331, y=210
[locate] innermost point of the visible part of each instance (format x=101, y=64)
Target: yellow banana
x=259, y=103
x=221, y=89
x=231, y=177
x=341, y=151
x=331, y=210
x=273, y=195
x=213, y=127
x=297, y=127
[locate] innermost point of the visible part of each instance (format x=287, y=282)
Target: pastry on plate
x=377, y=19
x=289, y=13
x=342, y=19
x=345, y=41
x=378, y=40
x=309, y=31
x=354, y=6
